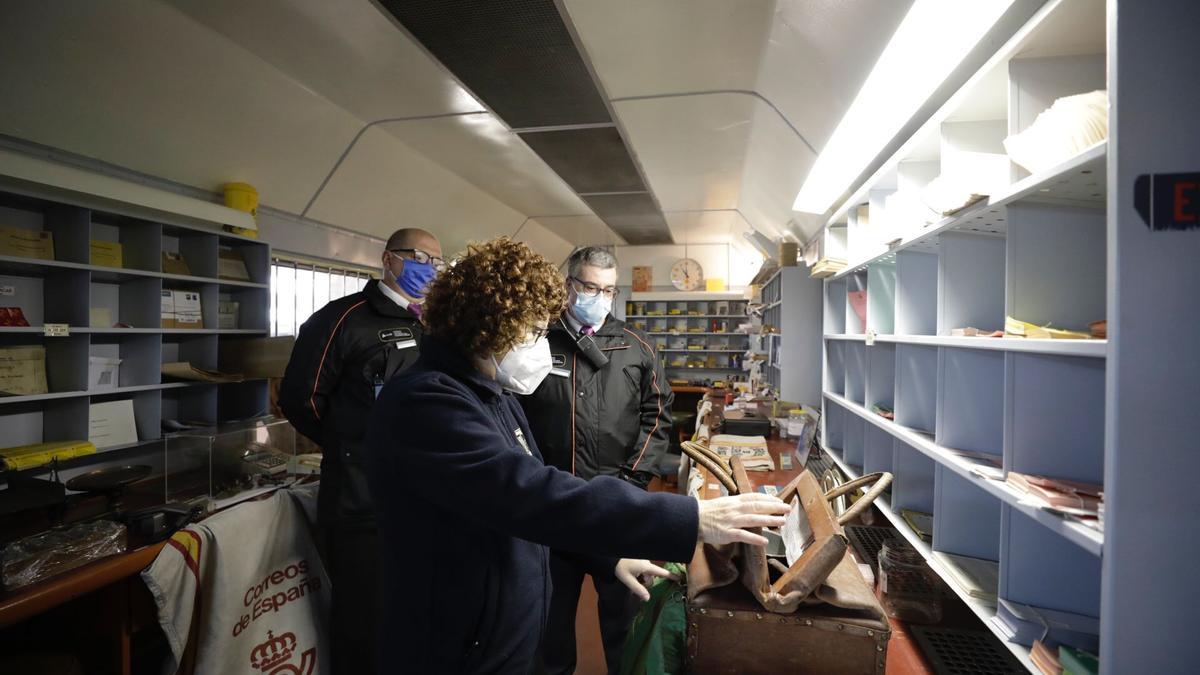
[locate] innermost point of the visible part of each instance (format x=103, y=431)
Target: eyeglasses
x=422, y=257
x=592, y=290
x=537, y=333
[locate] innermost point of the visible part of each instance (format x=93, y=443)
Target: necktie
x=587, y=330
x=415, y=309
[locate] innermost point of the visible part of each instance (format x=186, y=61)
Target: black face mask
x=588, y=347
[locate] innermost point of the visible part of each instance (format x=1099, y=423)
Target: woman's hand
x=722, y=519
x=636, y=574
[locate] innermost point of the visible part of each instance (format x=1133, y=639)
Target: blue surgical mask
x=590, y=311
x=415, y=278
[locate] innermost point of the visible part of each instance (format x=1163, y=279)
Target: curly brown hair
x=486, y=303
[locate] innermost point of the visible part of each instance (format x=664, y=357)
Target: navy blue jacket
x=467, y=509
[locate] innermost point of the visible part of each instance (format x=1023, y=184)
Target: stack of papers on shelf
x=975, y=332
x=1045, y=658
x=1056, y=494
x=29, y=456
x=981, y=464
x=752, y=450
x=945, y=198
x=185, y=371
x=1023, y=624
x=827, y=267
x=920, y=522
x=1065, y=129
x=978, y=577
x=1015, y=328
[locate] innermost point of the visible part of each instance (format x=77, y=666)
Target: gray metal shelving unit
x=70, y=290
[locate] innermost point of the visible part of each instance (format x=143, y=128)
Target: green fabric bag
x=657, y=640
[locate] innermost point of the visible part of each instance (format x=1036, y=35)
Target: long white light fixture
x=929, y=44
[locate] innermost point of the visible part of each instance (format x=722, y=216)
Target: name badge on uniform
x=402, y=337
x=559, y=365
x=521, y=439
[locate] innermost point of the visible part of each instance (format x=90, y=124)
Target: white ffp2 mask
x=524, y=366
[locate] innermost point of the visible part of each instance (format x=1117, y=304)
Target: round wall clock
x=686, y=274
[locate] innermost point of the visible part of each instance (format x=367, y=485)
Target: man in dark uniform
x=605, y=410
x=343, y=355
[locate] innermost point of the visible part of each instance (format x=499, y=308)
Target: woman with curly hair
x=467, y=508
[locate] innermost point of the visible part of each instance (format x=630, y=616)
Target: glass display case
x=222, y=464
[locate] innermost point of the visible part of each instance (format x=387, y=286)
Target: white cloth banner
x=251, y=579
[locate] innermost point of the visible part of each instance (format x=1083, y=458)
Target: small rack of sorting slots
x=95, y=299
x=790, y=337
x=697, y=335
x=954, y=416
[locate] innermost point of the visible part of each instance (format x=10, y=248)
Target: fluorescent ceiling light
x=930, y=43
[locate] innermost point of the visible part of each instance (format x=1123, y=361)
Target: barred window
x=299, y=288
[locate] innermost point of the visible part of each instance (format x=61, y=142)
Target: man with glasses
x=343, y=355
x=604, y=410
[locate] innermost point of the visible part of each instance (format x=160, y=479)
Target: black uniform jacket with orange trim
x=342, y=353
x=608, y=421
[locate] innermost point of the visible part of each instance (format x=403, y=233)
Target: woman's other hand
x=636, y=575
x=722, y=520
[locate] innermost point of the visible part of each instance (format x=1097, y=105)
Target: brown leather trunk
x=730, y=632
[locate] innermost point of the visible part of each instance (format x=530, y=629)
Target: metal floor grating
x=965, y=652
x=867, y=541
x=817, y=466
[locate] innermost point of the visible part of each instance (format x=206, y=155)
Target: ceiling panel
x=635, y=217
x=589, y=160
x=692, y=149
x=817, y=56
x=483, y=151
x=806, y=58
x=705, y=227
x=776, y=164
x=640, y=47
x=348, y=51
x=408, y=190
x=580, y=230
x=164, y=96
x=515, y=55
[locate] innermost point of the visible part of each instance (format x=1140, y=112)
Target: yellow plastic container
x=714, y=284
x=241, y=196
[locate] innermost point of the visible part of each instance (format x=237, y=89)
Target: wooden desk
x=46, y=595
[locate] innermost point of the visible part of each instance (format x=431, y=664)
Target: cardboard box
x=23, y=370
x=16, y=241
x=188, y=312
x=255, y=357
x=167, y=300
x=227, y=315
x=231, y=265
x=788, y=253
x=643, y=278
x=106, y=253
x=174, y=263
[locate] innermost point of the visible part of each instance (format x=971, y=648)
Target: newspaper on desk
x=752, y=450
